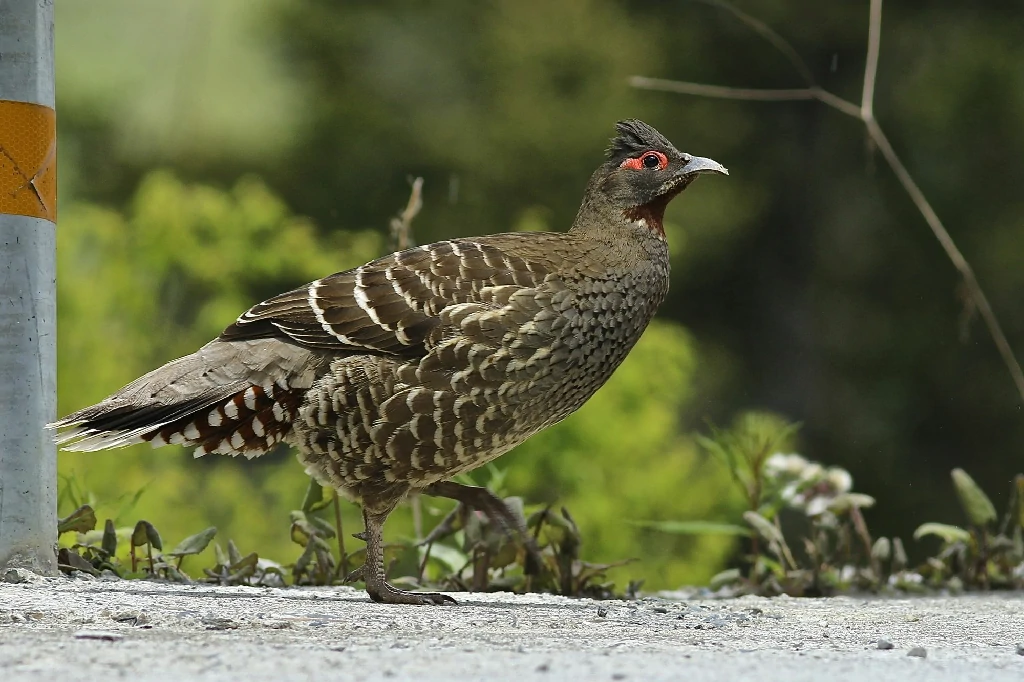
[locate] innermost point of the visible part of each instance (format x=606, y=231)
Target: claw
x=372, y=570
x=386, y=594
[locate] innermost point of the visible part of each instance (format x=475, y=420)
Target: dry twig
x=401, y=225
x=865, y=114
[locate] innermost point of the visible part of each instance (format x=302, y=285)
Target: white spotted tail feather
x=230, y=398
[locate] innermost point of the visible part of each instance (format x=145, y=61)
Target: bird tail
x=229, y=397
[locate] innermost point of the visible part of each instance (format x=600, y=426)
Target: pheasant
x=392, y=378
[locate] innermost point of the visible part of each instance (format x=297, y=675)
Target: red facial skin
x=652, y=214
x=638, y=163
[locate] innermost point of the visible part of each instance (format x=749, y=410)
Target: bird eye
x=650, y=160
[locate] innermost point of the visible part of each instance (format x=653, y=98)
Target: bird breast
x=497, y=370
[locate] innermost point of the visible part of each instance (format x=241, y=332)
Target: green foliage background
x=214, y=154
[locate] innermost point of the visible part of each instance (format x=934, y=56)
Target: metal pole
x=28, y=458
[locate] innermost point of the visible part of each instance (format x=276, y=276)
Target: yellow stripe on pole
x=28, y=160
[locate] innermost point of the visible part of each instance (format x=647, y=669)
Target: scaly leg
x=373, y=569
x=496, y=510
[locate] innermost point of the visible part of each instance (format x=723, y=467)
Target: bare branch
x=749, y=94
x=721, y=92
x=837, y=102
x=865, y=114
x=401, y=225
x=974, y=289
x=867, y=99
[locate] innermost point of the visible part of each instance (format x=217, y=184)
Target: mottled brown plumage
x=395, y=376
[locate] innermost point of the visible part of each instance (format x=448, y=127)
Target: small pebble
x=918, y=652
x=98, y=635
x=17, y=576
x=602, y=611
x=215, y=623
x=885, y=644
x=660, y=609
x=131, y=618
x=543, y=668
x=711, y=624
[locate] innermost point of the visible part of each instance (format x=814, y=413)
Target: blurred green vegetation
x=214, y=154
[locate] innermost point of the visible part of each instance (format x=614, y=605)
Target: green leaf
x=243, y=568
x=144, y=534
x=323, y=528
x=315, y=498
x=948, y=534
x=693, y=527
x=726, y=577
x=844, y=501
x=82, y=520
x=109, y=543
x=176, y=575
x=975, y=502
x=74, y=561
x=194, y=544
x=234, y=556
x=310, y=525
x=154, y=537
x=302, y=563
x=451, y=558
x=250, y=559
x=763, y=526
x=899, y=555
x=299, y=536
x=882, y=549
x=765, y=565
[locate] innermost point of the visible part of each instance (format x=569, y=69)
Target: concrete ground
x=68, y=630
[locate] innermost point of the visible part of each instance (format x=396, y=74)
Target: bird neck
x=626, y=231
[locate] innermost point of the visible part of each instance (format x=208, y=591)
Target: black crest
x=635, y=136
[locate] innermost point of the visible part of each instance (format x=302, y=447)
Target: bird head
x=644, y=172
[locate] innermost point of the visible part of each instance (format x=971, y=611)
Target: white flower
x=812, y=473
x=788, y=464
x=817, y=505
x=839, y=480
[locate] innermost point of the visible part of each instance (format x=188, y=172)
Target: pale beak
x=698, y=164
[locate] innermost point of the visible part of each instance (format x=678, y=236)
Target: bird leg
x=373, y=569
x=495, y=509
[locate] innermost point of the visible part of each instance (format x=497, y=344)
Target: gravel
x=60, y=628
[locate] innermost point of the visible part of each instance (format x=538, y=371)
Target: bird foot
x=384, y=593
x=373, y=568
x=495, y=509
